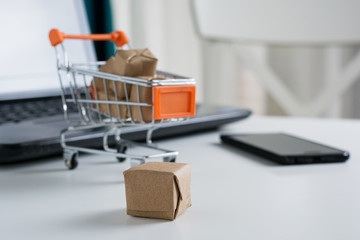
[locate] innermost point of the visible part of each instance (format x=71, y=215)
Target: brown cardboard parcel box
x=158, y=189
x=141, y=94
x=131, y=63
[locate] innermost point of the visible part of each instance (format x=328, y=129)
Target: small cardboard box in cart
x=158, y=190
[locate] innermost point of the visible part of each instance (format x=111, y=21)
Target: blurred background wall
x=167, y=28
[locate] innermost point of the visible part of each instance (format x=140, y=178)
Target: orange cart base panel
x=174, y=101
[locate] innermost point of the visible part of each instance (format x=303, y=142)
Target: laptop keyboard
x=16, y=111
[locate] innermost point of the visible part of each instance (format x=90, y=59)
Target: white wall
x=167, y=29
x=307, y=70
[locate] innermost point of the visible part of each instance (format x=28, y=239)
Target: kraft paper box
x=101, y=84
x=158, y=190
x=144, y=94
x=112, y=66
x=136, y=62
x=116, y=110
x=131, y=63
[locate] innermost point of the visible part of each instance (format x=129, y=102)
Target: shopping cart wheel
x=71, y=160
x=121, y=149
x=169, y=159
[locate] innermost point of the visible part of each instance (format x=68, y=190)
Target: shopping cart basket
x=173, y=99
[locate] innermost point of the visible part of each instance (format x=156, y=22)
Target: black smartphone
x=285, y=149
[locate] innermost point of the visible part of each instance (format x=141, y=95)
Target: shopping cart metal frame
x=80, y=81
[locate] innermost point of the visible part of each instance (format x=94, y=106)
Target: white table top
x=234, y=195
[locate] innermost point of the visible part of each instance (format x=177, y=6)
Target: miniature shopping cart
x=173, y=99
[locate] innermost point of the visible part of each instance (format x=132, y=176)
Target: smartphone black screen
x=286, y=149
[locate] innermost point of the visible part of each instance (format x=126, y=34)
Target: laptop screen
x=27, y=59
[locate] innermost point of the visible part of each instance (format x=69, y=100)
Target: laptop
x=31, y=116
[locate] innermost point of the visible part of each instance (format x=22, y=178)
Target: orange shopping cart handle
x=118, y=37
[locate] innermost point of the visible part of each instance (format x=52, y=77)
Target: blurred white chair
x=325, y=23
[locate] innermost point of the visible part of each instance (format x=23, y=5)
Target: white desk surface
x=234, y=195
